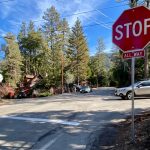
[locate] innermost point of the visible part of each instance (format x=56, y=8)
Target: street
x=62, y=122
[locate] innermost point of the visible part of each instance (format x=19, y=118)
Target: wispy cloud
x=71, y=7
x=24, y=10
x=2, y=32
x=7, y=8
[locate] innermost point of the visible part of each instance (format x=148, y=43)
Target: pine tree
x=31, y=27
x=22, y=34
x=53, y=33
x=13, y=61
x=30, y=45
x=100, y=64
x=79, y=53
x=100, y=56
x=64, y=47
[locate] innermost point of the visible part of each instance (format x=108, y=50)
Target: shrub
x=44, y=94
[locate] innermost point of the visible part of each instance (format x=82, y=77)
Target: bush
x=44, y=94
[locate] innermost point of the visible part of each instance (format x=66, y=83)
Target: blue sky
x=104, y=13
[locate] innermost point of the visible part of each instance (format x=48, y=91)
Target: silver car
x=85, y=89
x=141, y=88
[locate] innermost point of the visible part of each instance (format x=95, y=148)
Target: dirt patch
x=118, y=137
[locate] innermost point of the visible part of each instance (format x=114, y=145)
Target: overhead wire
x=85, y=12
x=98, y=23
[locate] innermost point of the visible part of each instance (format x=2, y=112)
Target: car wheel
x=129, y=95
x=123, y=97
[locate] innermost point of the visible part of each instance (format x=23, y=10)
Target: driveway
x=63, y=122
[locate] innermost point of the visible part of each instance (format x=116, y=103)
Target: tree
x=78, y=52
x=13, y=61
x=100, y=64
x=100, y=56
x=119, y=71
x=22, y=34
x=52, y=31
x=32, y=45
x=31, y=27
x=64, y=43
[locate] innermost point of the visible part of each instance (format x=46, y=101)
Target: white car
x=85, y=89
x=141, y=88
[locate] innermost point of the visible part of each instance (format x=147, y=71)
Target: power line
x=104, y=14
x=85, y=12
x=99, y=23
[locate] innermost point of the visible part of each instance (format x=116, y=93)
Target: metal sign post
x=132, y=80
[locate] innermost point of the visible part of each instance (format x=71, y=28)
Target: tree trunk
x=62, y=73
x=62, y=66
x=146, y=66
x=97, y=81
x=78, y=75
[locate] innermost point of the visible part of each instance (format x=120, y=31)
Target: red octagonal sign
x=131, y=31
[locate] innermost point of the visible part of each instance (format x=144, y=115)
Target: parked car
x=85, y=89
x=76, y=87
x=141, y=88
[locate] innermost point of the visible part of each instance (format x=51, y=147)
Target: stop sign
x=131, y=31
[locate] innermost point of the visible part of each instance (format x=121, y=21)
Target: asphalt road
x=63, y=122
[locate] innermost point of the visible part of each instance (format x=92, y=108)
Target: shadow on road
x=16, y=134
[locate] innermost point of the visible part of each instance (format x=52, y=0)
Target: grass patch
x=44, y=94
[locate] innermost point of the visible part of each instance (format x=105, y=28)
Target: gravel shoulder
x=118, y=136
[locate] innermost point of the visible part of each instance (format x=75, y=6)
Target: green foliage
x=44, y=94
x=11, y=66
x=78, y=52
x=35, y=51
x=100, y=65
x=55, y=31
x=69, y=78
x=120, y=73
x=139, y=69
x=61, y=56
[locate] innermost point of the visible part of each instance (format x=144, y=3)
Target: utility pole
x=62, y=72
x=62, y=64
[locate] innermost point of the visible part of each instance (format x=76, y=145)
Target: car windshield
x=84, y=87
x=137, y=83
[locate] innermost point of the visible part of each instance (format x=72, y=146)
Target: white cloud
x=2, y=33
x=71, y=7
x=7, y=8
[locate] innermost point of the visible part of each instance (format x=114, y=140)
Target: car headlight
x=121, y=90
